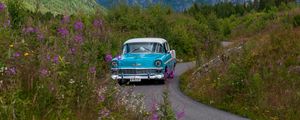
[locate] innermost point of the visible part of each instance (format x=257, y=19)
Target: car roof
x=146, y=40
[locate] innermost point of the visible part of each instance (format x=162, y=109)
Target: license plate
x=135, y=80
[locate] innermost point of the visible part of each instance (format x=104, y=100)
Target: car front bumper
x=149, y=77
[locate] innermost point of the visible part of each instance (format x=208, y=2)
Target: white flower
x=71, y=81
x=2, y=69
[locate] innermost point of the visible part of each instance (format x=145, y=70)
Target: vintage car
x=144, y=59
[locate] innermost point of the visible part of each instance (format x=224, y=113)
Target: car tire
x=122, y=82
x=162, y=81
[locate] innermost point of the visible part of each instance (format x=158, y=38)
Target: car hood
x=139, y=60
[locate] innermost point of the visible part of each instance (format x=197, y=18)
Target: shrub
x=296, y=20
x=16, y=12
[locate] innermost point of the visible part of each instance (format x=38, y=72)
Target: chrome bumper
x=158, y=76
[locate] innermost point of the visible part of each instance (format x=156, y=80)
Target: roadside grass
x=55, y=67
x=261, y=82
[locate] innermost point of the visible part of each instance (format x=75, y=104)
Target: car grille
x=138, y=71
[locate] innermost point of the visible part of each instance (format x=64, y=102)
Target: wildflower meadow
x=55, y=67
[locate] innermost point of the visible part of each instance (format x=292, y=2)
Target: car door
x=168, y=61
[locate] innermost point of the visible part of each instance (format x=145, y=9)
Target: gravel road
x=192, y=110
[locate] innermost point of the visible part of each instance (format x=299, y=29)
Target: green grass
x=262, y=82
x=64, y=6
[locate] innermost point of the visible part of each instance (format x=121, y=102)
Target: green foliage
x=16, y=12
x=47, y=75
x=269, y=4
x=63, y=7
x=237, y=78
x=222, y=10
x=296, y=20
x=166, y=110
x=130, y=22
x=254, y=82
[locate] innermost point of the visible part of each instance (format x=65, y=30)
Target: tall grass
x=260, y=82
x=55, y=68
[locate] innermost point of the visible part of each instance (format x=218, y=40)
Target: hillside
x=261, y=81
x=63, y=6
x=178, y=5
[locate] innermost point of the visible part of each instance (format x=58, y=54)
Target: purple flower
x=92, y=70
x=6, y=24
x=40, y=36
x=97, y=23
x=104, y=113
x=180, y=114
x=55, y=59
x=108, y=58
x=72, y=51
x=171, y=74
x=11, y=71
x=29, y=30
x=101, y=98
x=48, y=57
x=78, y=25
x=155, y=116
x=17, y=54
x=2, y=7
x=63, y=32
x=78, y=38
x=65, y=19
x=44, y=72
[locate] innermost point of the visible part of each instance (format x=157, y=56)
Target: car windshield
x=142, y=48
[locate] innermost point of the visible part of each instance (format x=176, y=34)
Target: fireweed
x=62, y=87
x=17, y=54
x=78, y=26
x=63, y=32
x=92, y=70
x=72, y=51
x=2, y=7
x=44, y=72
x=29, y=30
x=108, y=58
x=55, y=59
x=40, y=36
x=78, y=39
x=11, y=71
x=7, y=24
x=65, y=19
x=97, y=23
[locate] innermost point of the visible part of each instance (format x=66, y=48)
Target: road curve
x=192, y=110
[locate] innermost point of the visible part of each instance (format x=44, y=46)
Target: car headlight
x=114, y=64
x=157, y=63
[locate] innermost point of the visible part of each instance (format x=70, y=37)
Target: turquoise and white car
x=144, y=59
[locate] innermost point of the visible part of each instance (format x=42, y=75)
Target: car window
x=159, y=48
x=166, y=47
x=142, y=48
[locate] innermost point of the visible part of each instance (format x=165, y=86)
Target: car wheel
x=122, y=82
x=162, y=81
